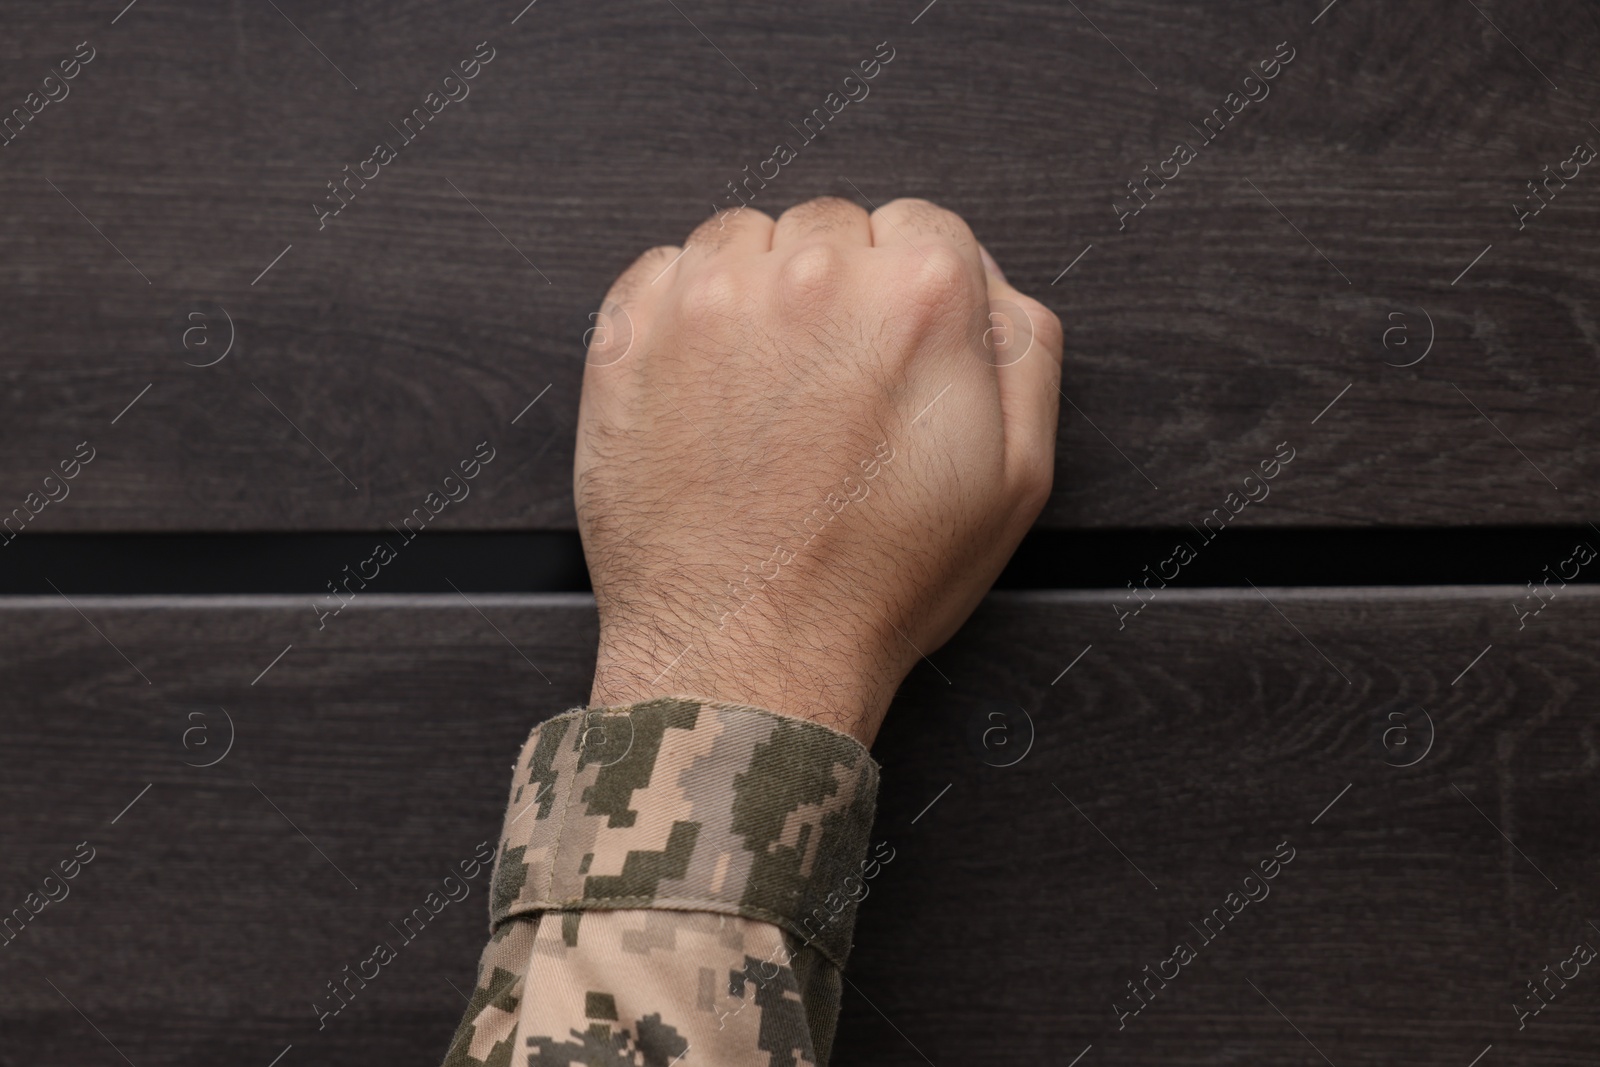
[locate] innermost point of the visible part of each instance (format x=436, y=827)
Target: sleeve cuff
x=690, y=805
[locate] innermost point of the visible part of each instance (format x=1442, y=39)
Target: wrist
x=838, y=691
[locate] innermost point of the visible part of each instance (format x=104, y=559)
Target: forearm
x=676, y=878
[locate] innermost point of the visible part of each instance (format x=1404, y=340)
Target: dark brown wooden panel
x=409, y=329
x=1172, y=756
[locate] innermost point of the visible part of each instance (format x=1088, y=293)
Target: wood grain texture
x=1175, y=753
x=456, y=287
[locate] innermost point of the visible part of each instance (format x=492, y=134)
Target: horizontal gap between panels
x=553, y=562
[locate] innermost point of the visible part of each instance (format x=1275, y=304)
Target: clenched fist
x=805, y=451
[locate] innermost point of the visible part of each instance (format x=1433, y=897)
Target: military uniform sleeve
x=676, y=884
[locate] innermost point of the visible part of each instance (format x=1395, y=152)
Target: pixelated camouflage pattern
x=668, y=890
x=689, y=805
x=651, y=988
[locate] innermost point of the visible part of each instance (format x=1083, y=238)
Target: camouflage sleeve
x=676, y=883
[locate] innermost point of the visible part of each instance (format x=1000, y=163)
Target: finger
x=615, y=336
x=614, y=327
x=925, y=226
x=740, y=230
x=1027, y=353
x=635, y=282
x=827, y=219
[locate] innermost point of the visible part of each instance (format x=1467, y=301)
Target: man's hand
x=805, y=451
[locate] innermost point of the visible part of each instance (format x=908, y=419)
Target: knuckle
x=822, y=214
x=638, y=273
x=833, y=203
x=711, y=234
x=811, y=274
x=711, y=293
x=940, y=280
x=723, y=226
x=710, y=224
x=913, y=206
x=944, y=265
x=650, y=264
x=924, y=216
